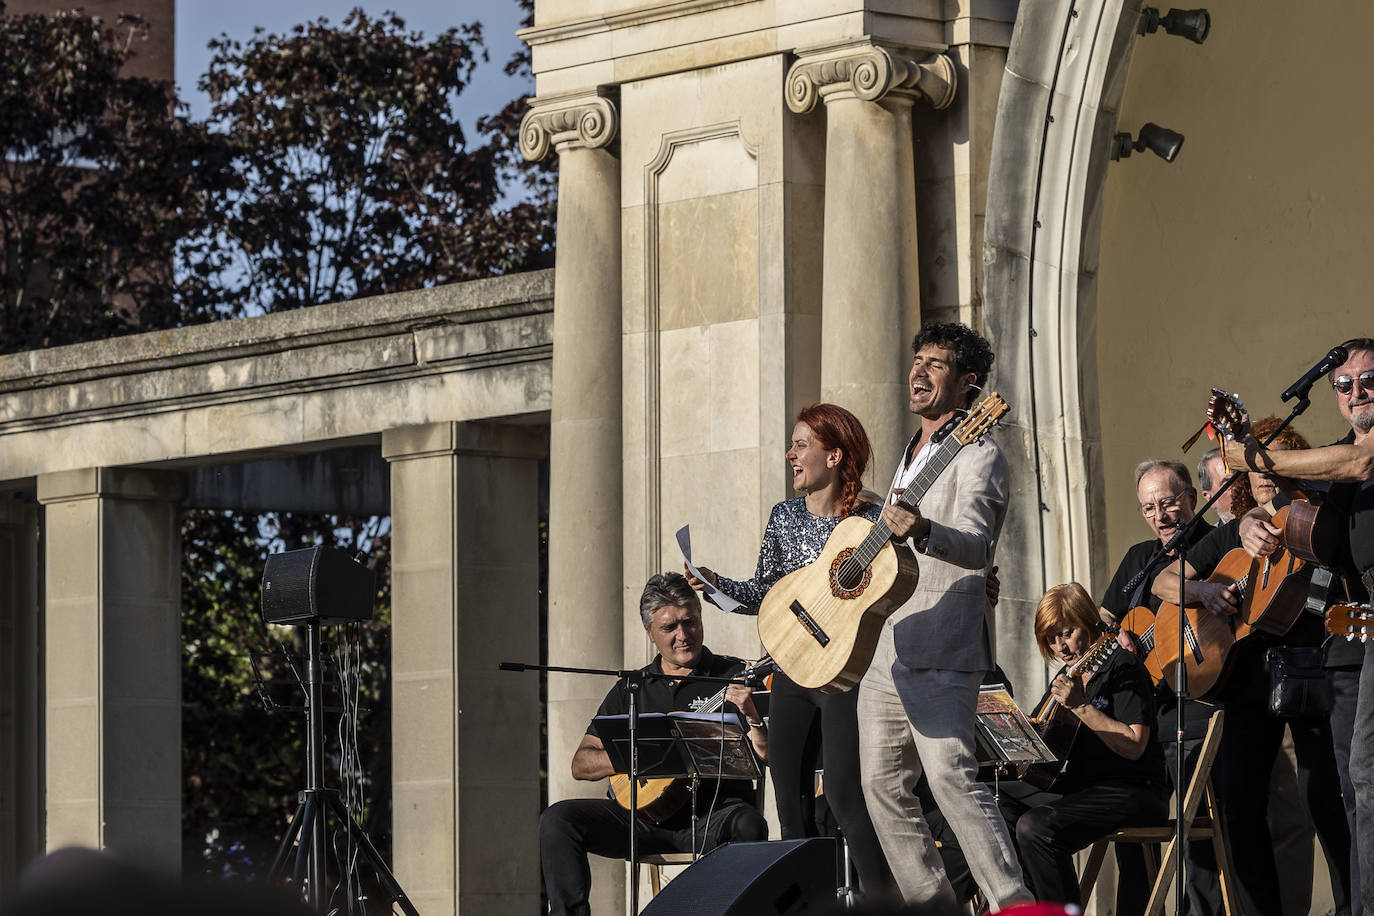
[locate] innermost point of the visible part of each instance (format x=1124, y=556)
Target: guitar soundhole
x=847, y=578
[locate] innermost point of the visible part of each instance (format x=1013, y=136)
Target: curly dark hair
x=1242, y=497
x=972, y=352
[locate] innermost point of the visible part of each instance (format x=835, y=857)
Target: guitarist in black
x=570, y=829
x=1253, y=734
x=1167, y=502
x=1115, y=773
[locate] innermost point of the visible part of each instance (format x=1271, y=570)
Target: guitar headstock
x=1226, y=413
x=981, y=419
x=1353, y=621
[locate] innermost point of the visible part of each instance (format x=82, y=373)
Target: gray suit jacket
x=947, y=623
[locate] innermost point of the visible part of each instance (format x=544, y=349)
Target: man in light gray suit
x=917, y=701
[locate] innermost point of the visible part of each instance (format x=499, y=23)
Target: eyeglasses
x=1164, y=505
x=1344, y=384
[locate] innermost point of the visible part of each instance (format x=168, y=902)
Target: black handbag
x=1297, y=682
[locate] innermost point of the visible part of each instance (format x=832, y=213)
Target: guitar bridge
x=809, y=623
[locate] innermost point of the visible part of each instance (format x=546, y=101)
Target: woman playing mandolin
x=1115, y=773
x=828, y=454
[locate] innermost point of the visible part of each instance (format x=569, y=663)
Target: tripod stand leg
x=278, y=869
x=304, y=851
x=384, y=875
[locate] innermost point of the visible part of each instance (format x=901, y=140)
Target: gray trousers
x=922, y=719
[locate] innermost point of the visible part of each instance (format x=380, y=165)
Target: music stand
x=633, y=682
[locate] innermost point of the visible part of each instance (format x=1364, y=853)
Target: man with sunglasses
x=1349, y=464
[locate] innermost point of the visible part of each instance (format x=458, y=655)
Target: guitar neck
x=911, y=497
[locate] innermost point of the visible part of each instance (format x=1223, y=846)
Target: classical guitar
x=821, y=623
x=1270, y=594
x=1353, y=621
x=1058, y=726
x=659, y=798
x=1140, y=622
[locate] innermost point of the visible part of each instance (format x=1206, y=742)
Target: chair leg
x=654, y=880
x=1219, y=846
x=1091, y=869
x=1147, y=852
x=1163, y=881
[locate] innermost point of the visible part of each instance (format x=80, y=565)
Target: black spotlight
x=1190, y=24
x=1161, y=141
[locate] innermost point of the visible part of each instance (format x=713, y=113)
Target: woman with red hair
x=828, y=454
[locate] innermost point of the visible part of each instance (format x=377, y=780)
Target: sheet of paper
x=721, y=600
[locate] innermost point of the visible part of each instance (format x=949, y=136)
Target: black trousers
x=807, y=728
x=1049, y=828
x=1241, y=777
x=570, y=829
x=1344, y=684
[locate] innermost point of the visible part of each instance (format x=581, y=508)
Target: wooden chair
x=657, y=862
x=1197, y=825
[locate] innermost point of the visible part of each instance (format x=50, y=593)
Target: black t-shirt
x=1354, y=501
x=1120, y=689
x=664, y=695
x=1116, y=598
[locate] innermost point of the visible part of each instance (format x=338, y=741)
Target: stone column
x=870, y=298
x=112, y=661
x=465, y=596
x=21, y=783
x=584, y=430
x=585, y=519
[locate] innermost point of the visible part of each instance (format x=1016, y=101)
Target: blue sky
x=199, y=21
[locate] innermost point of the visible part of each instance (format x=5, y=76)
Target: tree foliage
x=358, y=179
x=100, y=179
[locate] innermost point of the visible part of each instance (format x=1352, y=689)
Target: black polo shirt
x=664, y=695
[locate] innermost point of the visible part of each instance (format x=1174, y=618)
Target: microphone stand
x=633, y=681
x=1178, y=543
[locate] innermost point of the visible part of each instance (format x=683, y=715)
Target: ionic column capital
x=586, y=121
x=870, y=71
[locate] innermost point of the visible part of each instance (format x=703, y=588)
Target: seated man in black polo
x=570, y=829
x=1115, y=774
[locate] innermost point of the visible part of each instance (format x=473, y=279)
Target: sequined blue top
x=793, y=538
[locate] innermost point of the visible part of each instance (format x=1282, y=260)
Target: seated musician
x=1253, y=734
x=570, y=829
x=1115, y=774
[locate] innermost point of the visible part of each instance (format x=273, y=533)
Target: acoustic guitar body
x=658, y=798
x=822, y=631
x=1141, y=622
x=1207, y=654
x=1315, y=533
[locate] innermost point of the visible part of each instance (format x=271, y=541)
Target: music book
x=1003, y=733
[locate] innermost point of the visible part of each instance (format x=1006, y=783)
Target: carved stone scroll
x=870, y=71
x=588, y=121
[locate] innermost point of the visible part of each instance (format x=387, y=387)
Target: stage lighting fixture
x=1190, y=24
x=1161, y=141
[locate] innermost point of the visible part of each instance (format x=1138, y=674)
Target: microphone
x=1336, y=357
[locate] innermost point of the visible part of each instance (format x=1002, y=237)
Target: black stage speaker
x=754, y=879
x=317, y=583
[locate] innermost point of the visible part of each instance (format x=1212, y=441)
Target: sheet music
x=721, y=600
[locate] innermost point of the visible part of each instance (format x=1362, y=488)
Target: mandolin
x=659, y=798
x=1057, y=725
x=821, y=623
